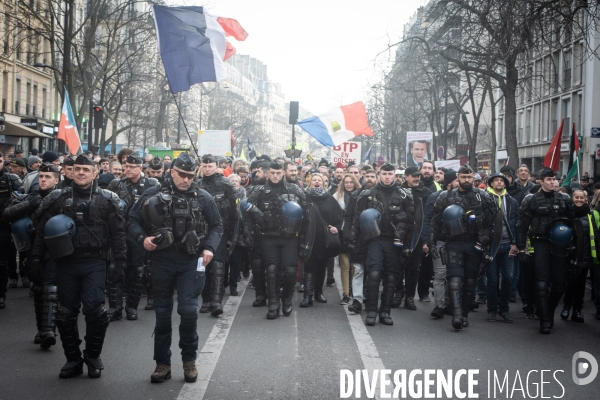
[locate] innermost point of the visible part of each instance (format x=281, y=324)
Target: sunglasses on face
x=184, y=175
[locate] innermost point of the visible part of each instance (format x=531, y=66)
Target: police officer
x=252, y=237
x=542, y=215
x=223, y=193
x=20, y=213
x=465, y=215
x=68, y=163
x=179, y=224
x=128, y=189
x=78, y=226
x=9, y=183
x=156, y=169
x=279, y=231
x=385, y=240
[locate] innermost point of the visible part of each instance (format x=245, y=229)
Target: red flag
x=552, y=158
x=229, y=51
x=232, y=28
x=232, y=139
x=67, y=127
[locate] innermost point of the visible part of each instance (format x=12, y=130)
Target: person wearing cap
x=68, y=173
x=466, y=217
x=279, y=241
x=385, y=259
x=537, y=215
x=179, y=224
x=9, y=183
x=18, y=167
x=51, y=157
x=156, y=168
x=427, y=169
x=407, y=284
x=399, y=173
x=33, y=163
x=81, y=273
x=129, y=189
x=585, y=186
x=223, y=193
x=19, y=153
x=434, y=245
x=43, y=275
x=499, y=271
x=30, y=182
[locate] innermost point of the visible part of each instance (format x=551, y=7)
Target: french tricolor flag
x=193, y=44
x=338, y=125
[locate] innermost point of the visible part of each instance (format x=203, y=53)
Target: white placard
x=200, y=265
x=346, y=152
x=450, y=164
x=418, y=148
x=217, y=143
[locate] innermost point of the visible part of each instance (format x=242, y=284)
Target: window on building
x=567, y=70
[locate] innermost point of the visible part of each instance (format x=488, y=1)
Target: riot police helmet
x=292, y=216
x=453, y=219
x=561, y=237
x=369, y=221
x=58, y=235
x=21, y=231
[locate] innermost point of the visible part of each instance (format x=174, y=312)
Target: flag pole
x=184, y=124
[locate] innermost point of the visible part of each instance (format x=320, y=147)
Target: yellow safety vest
x=592, y=236
x=438, y=187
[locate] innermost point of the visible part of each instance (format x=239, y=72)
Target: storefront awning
x=14, y=129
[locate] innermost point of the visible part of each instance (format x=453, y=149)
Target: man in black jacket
x=407, y=284
x=359, y=252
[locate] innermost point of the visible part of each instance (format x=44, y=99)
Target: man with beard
x=439, y=176
x=252, y=239
x=43, y=274
x=115, y=168
x=465, y=215
x=434, y=246
x=156, y=169
x=291, y=172
x=539, y=216
x=269, y=206
x=427, y=170
x=407, y=284
x=223, y=193
x=338, y=174
x=359, y=251
x=385, y=244
x=129, y=189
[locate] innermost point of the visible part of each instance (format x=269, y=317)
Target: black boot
x=289, y=282
x=115, y=301
x=273, y=291
x=455, y=287
x=258, y=278
x=555, y=296
x=49, y=316
x=564, y=314
x=543, y=306
x=318, y=285
x=95, y=331
x=38, y=306
x=66, y=323
x=372, y=286
x=577, y=315
x=389, y=287
x=468, y=299
x=134, y=294
x=217, y=288
x=309, y=280
x=398, y=296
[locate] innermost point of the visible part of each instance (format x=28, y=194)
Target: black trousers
x=221, y=256
x=548, y=267
x=462, y=260
x=425, y=275
x=5, y=244
x=280, y=251
x=383, y=256
x=172, y=270
x=576, y=289
x=81, y=283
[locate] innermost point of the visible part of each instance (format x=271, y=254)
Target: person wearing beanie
x=433, y=246
x=33, y=163
x=465, y=242
x=51, y=157
x=34, y=152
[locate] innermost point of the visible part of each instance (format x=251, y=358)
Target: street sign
x=2, y=127
x=595, y=132
x=598, y=153
x=440, y=152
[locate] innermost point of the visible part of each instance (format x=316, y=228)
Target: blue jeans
x=172, y=270
x=501, y=266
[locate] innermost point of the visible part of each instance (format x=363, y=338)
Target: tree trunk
x=509, y=89
x=493, y=165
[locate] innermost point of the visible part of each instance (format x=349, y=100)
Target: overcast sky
x=323, y=52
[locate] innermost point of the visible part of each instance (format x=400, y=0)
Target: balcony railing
x=17, y=109
x=553, y=128
x=555, y=84
x=27, y=108
x=33, y=111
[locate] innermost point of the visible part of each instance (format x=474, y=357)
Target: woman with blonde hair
x=348, y=184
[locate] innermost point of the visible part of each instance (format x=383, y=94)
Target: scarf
x=317, y=191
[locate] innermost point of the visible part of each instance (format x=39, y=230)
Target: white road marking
x=210, y=353
x=366, y=347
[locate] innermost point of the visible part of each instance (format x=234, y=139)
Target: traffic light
x=98, y=117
